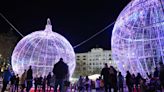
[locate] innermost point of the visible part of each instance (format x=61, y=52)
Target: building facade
x=93, y=61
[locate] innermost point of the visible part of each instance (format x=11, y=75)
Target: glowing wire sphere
x=138, y=37
x=41, y=50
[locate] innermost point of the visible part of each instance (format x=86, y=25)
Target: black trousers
x=4, y=85
x=107, y=86
x=29, y=85
x=36, y=86
x=16, y=87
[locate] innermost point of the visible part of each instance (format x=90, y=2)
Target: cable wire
x=83, y=42
x=11, y=24
x=102, y=30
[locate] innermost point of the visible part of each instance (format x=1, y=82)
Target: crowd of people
x=41, y=84
x=109, y=79
x=15, y=82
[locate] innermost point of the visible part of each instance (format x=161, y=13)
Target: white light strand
x=102, y=30
x=11, y=24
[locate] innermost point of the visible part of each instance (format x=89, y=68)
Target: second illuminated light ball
x=138, y=37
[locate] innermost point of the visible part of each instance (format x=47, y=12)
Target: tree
x=96, y=71
x=8, y=41
x=80, y=69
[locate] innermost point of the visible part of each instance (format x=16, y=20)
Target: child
x=120, y=80
x=36, y=83
x=80, y=84
x=87, y=83
x=101, y=83
x=44, y=84
x=97, y=85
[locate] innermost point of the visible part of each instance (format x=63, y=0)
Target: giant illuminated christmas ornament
x=138, y=37
x=42, y=49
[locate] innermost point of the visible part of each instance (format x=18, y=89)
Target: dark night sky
x=75, y=20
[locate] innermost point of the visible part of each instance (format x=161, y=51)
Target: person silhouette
x=60, y=71
x=49, y=77
x=23, y=80
x=6, y=78
x=105, y=75
x=29, y=79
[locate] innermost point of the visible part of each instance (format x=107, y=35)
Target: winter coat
x=7, y=75
x=23, y=78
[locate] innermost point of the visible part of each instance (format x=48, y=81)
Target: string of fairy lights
x=78, y=45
